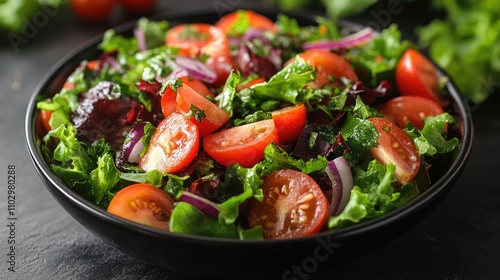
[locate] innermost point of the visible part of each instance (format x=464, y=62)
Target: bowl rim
x=439, y=187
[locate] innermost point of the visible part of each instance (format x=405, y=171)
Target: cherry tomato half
x=289, y=122
x=255, y=20
x=293, y=206
x=173, y=146
x=214, y=117
x=45, y=116
x=413, y=109
x=416, y=75
x=327, y=64
x=395, y=147
x=93, y=11
x=169, y=96
x=200, y=38
x=144, y=204
x=243, y=144
x=138, y=6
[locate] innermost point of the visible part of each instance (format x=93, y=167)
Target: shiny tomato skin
x=250, y=83
x=395, y=147
x=416, y=75
x=410, y=108
x=168, y=101
x=197, y=86
x=199, y=38
x=45, y=116
x=293, y=206
x=327, y=64
x=289, y=122
x=173, y=146
x=256, y=20
x=214, y=118
x=92, y=11
x=243, y=144
x=138, y=6
x=144, y=204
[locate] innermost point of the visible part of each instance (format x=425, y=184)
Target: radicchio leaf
x=101, y=114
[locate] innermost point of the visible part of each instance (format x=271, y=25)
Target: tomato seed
x=304, y=206
x=284, y=189
x=306, y=198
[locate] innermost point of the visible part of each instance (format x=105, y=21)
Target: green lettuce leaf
x=431, y=139
x=373, y=195
x=380, y=55
x=286, y=84
x=104, y=178
x=186, y=219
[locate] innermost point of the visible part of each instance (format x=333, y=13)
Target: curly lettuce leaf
x=90, y=170
x=373, y=195
x=286, y=84
x=431, y=139
x=380, y=55
x=465, y=44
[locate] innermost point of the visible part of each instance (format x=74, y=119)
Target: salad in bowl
x=250, y=127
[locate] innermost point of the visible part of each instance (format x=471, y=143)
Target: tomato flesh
x=173, y=146
x=395, y=147
x=289, y=122
x=197, y=86
x=92, y=11
x=293, y=206
x=45, y=116
x=412, y=109
x=214, y=117
x=327, y=64
x=185, y=97
x=138, y=7
x=416, y=75
x=243, y=144
x=255, y=20
x=144, y=204
x=200, y=38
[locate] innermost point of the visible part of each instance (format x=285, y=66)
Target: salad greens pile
x=93, y=167
x=14, y=14
x=463, y=42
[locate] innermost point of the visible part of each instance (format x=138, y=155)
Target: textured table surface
x=460, y=240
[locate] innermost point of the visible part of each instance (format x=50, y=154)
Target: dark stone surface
x=460, y=240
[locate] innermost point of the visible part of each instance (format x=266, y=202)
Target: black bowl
x=222, y=258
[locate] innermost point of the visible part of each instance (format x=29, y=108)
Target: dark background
x=460, y=240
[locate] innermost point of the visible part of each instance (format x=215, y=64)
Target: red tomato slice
x=168, y=101
x=248, y=84
x=327, y=64
x=144, y=204
x=214, y=118
x=256, y=20
x=45, y=118
x=200, y=38
x=173, y=146
x=197, y=86
x=138, y=7
x=413, y=109
x=416, y=75
x=293, y=206
x=241, y=144
x=92, y=11
x=395, y=147
x=289, y=122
